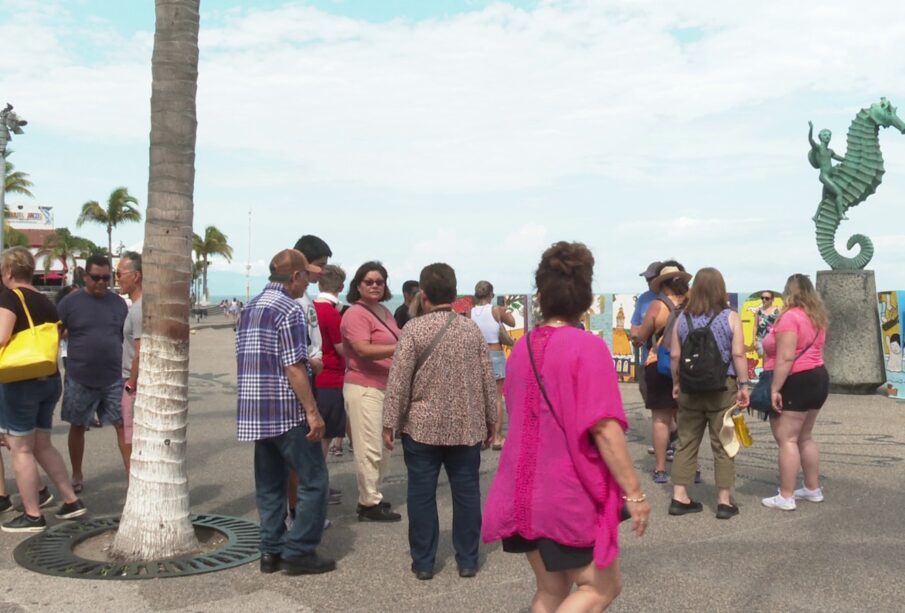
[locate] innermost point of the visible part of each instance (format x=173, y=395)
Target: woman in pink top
x=565, y=470
x=793, y=350
x=369, y=333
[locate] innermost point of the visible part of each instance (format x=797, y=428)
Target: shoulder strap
x=374, y=315
x=540, y=380
x=18, y=292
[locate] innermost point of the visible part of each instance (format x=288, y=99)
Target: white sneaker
x=779, y=502
x=327, y=524
x=810, y=495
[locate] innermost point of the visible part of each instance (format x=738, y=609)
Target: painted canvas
x=891, y=307
x=594, y=319
x=621, y=347
x=517, y=304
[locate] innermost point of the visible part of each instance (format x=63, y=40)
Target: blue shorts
x=26, y=406
x=498, y=364
x=81, y=403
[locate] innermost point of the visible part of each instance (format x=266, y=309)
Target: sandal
x=77, y=487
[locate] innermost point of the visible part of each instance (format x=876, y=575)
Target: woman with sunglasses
x=765, y=316
x=369, y=333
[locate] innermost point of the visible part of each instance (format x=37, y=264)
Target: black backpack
x=701, y=365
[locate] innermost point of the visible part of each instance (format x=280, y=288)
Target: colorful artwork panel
x=621, y=346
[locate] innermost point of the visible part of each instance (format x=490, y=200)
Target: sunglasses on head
x=99, y=278
x=370, y=282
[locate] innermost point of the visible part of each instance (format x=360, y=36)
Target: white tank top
x=490, y=328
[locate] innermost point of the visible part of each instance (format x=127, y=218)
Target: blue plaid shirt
x=271, y=335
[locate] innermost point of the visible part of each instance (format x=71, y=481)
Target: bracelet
x=642, y=498
x=744, y=383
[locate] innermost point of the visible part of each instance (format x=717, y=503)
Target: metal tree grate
x=51, y=552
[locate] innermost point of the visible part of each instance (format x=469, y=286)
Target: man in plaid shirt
x=276, y=410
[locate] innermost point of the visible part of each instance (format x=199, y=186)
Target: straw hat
x=728, y=438
x=667, y=273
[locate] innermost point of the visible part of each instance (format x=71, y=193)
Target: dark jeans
x=462, y=465
x=273, y=459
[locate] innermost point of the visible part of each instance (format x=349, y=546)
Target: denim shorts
x=81, y=403
x=26, y=406
x=498, y=364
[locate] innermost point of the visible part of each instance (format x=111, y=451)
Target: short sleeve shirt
x=270, y=335
x=95, y=327
x=797, y=321
x=360, y=324
x=329, y=320
x=131, y=333
x=39, y=306
x=315, y=343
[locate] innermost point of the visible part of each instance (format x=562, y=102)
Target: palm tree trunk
x=110, y=245
x=156, y=520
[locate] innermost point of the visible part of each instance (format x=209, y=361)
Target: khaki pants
x=364, y=406
x=697, y=412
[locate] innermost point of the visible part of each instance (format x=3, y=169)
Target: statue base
x=854, y=349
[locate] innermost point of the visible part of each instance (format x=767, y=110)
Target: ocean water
x=392, y=304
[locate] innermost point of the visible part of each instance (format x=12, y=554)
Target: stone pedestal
x=854, y=349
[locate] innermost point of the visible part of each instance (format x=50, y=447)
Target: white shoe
x=327, y=524
x=810, y=495
x=779, y=502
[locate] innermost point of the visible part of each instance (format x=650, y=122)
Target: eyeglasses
x=766, y=297
x=99, y=278
x=370, y=282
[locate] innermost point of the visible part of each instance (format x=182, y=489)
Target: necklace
x=557, y=323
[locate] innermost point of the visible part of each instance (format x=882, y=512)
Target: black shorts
x=659, y=389
x=556, y=557
x=806, y=390
x=333, y=411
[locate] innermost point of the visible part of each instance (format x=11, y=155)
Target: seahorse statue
x=854, y=179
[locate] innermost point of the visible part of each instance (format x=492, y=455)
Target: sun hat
x=728, y=437
x=668, y=273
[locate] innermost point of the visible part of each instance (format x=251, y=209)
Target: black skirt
x=556, y=557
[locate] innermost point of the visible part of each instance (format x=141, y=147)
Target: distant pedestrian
x=565, y=473
x=489, y=318
x=369, y=335
x=276, y=410
x=708, y=316
x=409, y=291
x=641, y=306
x=93, y=319
x=764, y=318
x=441, y=396
x=130, y=276
x=26, y=407
x=794, y=352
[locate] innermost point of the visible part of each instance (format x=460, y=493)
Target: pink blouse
x=552, y=482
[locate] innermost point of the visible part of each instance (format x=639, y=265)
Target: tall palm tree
x=64, y=246
x=120, y=209
x=17, y=182
x=156, y=521
x=214, y=243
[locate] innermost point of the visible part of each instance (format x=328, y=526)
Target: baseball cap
x=652, y=269
x=287, y=262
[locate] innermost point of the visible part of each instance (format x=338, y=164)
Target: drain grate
x=50, y=552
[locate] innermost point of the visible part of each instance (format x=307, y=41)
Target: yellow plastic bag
x=31, y=353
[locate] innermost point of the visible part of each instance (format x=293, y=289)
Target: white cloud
x=440, y=119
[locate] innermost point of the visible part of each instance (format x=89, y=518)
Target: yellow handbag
x=32, y=353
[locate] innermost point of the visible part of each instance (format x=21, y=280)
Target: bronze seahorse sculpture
x=850, y=183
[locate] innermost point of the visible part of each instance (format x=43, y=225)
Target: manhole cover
x=50, y=552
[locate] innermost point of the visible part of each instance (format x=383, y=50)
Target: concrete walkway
x=846, y=554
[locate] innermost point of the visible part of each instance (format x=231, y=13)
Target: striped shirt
x=271, y=335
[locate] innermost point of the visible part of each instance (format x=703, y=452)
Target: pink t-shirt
x=360, y=324
x=797, y=321
x=551, y=481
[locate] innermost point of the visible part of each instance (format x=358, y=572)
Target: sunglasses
x=371, y=282
x=99, y=278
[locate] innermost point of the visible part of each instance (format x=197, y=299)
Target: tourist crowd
x=312, y=372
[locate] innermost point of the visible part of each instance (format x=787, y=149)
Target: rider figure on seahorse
x=821, y=157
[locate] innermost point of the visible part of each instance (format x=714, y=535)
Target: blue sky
x=478, y=132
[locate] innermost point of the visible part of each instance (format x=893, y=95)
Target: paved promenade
x=846, y=554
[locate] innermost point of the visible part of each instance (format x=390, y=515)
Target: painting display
x=891, y=306
x=623, y=306
x=517, y=304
